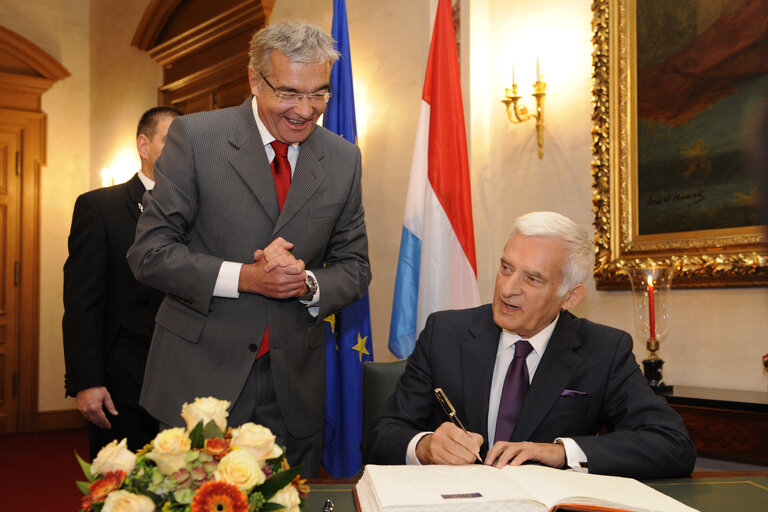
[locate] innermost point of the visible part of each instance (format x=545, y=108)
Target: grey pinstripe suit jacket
x=214, y=201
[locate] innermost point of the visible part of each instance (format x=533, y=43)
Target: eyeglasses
x=293, y=98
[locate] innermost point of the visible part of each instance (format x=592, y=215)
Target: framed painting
x=677, y=88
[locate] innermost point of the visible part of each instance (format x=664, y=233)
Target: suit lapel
x=551, y=377
x=135, y=190
x=250, y=161
x=478, y=350
x=307, y=176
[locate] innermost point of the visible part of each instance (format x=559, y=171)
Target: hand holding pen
x=449, y=410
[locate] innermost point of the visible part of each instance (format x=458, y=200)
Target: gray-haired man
x=254, y=259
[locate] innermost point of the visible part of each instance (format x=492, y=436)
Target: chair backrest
x=379, y=381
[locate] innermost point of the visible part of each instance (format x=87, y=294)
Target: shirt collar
x=148, y=183
x=538, y=341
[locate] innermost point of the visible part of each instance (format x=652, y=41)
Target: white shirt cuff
x=575, y=458
x=228, y=280
x=410, y=455
x=313, y=307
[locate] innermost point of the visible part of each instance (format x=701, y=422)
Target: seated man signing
x=573, y=379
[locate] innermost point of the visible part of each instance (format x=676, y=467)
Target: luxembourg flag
x=437, y=268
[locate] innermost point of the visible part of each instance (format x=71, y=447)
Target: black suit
x=108, y=315
x=586, y=381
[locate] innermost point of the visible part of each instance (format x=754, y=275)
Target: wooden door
x=10, y=169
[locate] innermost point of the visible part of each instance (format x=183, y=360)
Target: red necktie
x=513, y=393
x=281, y=172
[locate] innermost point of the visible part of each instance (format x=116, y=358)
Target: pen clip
x=445, y=403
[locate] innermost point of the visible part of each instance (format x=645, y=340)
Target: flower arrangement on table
x=203, y=467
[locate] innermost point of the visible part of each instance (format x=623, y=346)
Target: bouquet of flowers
x=203, y=467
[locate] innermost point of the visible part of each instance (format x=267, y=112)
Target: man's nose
x=304, y=108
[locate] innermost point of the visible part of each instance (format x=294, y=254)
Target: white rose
x=258, y=440
x=240, y=469
x=114, y=457
x=124, y=501
x=205, y=409
x=288, y=497
x=169, y=449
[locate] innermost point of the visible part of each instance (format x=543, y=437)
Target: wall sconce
x=518, y=113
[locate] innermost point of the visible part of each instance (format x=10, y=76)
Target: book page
x=553, y=486
x=444, y=488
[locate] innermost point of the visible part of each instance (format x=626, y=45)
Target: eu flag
x=348, y=332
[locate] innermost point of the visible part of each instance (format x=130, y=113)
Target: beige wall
x=716, y=337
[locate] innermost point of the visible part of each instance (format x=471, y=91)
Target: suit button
x=252, y=347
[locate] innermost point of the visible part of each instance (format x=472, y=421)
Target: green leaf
x=212, y=430
x=271, y=506
x=277, y=482
x=85, y=467
x=83, y=486
x=196, y=436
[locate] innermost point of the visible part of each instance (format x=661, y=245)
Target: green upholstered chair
x=379, y=381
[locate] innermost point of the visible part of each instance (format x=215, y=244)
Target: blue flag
x=347, y=333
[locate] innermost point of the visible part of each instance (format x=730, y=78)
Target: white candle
x=538, y=70
x=513, y=75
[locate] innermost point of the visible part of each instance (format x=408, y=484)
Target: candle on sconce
x=538, y=70
x=513, y=75
x=651, y=309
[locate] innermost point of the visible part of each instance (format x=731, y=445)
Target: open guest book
x=525, y=488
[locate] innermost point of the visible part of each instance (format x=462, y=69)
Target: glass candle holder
x=650, y=294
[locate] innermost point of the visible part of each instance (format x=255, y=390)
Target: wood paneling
x=724, y=423
x=203, y=48
x=26, y=72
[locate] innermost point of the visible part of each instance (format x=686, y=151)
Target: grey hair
x=298, y=40
x=578, y=246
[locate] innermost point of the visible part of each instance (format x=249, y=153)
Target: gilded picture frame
x=719, y=257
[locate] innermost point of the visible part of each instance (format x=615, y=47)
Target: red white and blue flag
x=437, y=268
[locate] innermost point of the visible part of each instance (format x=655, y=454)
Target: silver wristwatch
x=311, y=283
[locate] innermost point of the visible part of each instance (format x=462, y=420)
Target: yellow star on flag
x=331, y=319
x=360, y=347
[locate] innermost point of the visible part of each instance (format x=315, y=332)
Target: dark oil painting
x=702, y=77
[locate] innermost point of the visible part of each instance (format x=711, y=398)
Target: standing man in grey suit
x=108, y=315
x=576, y=379
x=253, y=262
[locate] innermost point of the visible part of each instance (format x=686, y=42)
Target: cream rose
x=114, y=457
x=240, y=469
x=258, y=440
x=169, y=449
x=205, y=409
x=124, y=501
x=288, y=497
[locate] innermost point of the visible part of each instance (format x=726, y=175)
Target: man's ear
x=253, y=81
x=574, y=297
x=142, y=145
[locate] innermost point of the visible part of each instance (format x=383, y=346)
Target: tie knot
x=281, y=148
x=522, y=348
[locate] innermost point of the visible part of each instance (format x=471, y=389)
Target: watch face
x=311, y=287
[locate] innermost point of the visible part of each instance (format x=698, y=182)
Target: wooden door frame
x=26, y=72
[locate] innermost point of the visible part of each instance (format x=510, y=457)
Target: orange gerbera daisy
x=216, y=496
x=217, y=447
x=99, y=489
